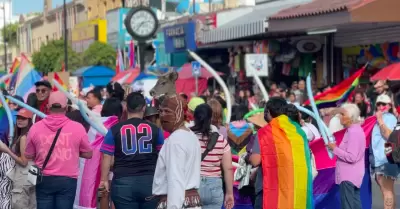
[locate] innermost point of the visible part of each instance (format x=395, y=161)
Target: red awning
x=319, y=7
x=391, y=73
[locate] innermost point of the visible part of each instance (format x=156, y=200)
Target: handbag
x=35, y=175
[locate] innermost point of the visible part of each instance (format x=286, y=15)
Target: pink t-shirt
x=73, y=139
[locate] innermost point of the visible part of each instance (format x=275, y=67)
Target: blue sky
x=26, y=6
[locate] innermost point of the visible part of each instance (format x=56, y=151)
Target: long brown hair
x=216, y=107
x=18, y=133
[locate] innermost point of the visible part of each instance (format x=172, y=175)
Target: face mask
x=172, y=115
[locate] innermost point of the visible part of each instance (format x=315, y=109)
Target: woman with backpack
x=216, y=159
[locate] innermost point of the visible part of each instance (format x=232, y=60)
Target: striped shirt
x=211, y=165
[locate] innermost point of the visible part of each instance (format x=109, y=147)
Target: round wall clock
x=141, y=23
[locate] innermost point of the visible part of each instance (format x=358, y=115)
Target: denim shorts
x=387, y=170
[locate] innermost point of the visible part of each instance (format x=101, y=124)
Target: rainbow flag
x=326, y=192
x=286, y=165
x=14, y=70
x=26, y=78
x=339, y=93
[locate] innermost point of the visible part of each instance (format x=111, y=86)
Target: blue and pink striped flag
x=326, y=192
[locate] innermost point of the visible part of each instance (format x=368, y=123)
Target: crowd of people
x=178, y=153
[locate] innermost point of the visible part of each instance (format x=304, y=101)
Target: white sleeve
x=176, y=178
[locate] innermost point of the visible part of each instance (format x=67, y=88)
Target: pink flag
x=89, y=178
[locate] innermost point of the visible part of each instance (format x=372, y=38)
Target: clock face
x=143, y=23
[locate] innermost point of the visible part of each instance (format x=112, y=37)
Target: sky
x=27, y=6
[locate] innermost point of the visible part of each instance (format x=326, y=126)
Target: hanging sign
x=256, y=64
x=179, y=38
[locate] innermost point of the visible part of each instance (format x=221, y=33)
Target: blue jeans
x=258, y=204
x=211, y=193
x=133, y=192
x=56, y=192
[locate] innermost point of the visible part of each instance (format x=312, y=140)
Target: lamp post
x=65, y=38
x=4, y=36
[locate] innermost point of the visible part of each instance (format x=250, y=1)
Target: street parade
x=223, y=104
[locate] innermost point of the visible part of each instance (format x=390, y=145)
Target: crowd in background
x=195, y=119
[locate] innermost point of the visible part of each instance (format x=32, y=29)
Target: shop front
x=353, y=33
x=87, y=32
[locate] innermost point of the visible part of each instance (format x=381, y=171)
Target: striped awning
x=250, y=24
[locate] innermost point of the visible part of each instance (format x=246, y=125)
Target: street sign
x=196, y=69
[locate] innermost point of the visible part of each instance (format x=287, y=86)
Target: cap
x=43, y=83
x=150, y=111
x=25, y=113
x=194, y=102
x=383, y=98
x=57, y=100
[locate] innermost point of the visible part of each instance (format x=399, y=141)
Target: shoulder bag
x=35, y=174
x=210, y=145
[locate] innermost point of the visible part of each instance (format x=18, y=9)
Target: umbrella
x=391, y=72
x=185, y=72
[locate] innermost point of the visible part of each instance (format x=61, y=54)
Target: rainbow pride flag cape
x=286, y=165
x=326, y=192
x=339, y=93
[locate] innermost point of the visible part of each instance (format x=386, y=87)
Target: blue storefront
x=177, y=40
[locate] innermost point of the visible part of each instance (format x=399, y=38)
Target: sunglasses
x=41, y=91
x=380, y=104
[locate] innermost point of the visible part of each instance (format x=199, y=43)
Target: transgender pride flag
x=326, y=192
x=26, y=78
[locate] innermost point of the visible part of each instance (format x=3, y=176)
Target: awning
x=250, y=24
x=323, y=14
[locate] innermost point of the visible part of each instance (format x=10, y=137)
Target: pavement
x=377, y=202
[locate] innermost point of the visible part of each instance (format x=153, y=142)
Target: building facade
x=87, y=32
x=39, y=30
x=97, y=9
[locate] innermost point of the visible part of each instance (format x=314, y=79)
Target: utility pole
x=4, y=37
x=65, y=38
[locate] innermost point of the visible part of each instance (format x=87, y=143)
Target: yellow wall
x=86, y=30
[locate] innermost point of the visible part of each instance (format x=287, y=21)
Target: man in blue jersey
x=135, y=144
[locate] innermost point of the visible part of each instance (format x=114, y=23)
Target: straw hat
x=258, y=120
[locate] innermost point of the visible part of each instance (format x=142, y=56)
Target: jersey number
x=135, y=143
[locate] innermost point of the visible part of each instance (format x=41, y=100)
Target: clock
x=141, y=23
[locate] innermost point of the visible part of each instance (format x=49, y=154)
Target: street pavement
x=377, y=202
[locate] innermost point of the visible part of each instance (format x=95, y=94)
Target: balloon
x=220, y=82
x=251, y=113
x=94, y=119
x=315, y=110
x=26, y=106
x=101, y=130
